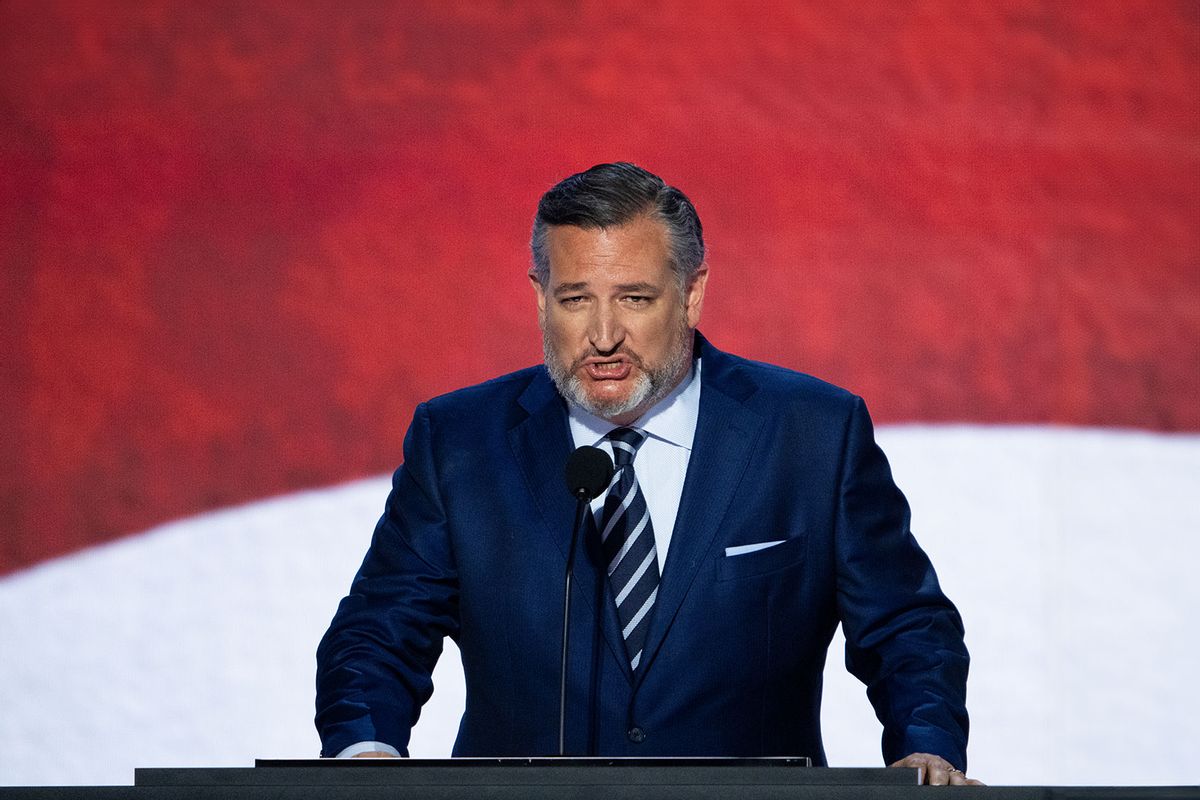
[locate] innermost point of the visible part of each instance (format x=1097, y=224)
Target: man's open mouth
x=615, y=370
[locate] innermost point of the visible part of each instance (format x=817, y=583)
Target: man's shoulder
x=493, y=394
x=759, y=381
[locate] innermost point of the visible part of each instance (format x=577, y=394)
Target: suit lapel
x=541, y=443
x=534, y=442
x=725, y=436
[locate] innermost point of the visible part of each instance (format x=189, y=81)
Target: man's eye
x=638, y=299
x=572, y=301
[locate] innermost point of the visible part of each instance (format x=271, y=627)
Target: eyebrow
x=638, y=288
x=626, y=288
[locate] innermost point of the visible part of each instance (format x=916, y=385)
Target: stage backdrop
x=240, y=241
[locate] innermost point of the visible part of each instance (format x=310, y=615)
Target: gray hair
x=610, y=195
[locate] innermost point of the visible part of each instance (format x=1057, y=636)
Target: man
x=751, y=511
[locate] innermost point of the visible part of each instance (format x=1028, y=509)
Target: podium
x=535, y=778
x=586, y=779
x=560, y=779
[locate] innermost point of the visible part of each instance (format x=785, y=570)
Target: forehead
x=637, y=251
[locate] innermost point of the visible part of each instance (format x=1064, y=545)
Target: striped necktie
x=627, y=542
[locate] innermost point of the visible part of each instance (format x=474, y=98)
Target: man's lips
x=607, y=370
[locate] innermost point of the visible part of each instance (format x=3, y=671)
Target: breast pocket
x=787, y=554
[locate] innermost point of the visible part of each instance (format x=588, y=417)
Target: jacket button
x=637, y=735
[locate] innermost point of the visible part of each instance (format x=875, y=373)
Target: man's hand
x=936, y=771
x=373, y=754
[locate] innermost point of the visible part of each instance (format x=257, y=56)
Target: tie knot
x=625, y=442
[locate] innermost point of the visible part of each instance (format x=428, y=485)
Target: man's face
x=616, y=328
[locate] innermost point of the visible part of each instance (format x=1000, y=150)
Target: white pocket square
x=742, y=549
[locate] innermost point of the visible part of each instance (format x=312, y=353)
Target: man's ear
x=540, y=291
x=694, y=296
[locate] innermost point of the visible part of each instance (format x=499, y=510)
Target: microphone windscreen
x=589, y=470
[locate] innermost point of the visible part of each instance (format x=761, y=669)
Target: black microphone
x=589, y=471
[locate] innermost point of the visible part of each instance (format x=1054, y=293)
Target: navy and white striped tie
x=627, y=542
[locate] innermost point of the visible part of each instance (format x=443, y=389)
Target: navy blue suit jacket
x=473, y=542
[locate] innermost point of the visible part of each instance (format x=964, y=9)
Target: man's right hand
x=373, y=754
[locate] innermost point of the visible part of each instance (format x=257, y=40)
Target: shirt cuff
x=367, y=747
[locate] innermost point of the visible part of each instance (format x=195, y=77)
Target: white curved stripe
x=632, y=451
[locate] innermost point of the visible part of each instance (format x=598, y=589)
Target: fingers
x=936, y=771
x=951, y=776
x=939, y=772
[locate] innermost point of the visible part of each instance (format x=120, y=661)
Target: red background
x=240, y=241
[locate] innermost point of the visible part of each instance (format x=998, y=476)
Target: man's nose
x=606, y=332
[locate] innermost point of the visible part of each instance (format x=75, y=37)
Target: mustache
x=620, y=351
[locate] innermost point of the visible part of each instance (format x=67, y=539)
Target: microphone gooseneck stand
x=589, y=471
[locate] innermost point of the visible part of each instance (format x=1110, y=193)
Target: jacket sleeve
x=904, y=638
x=375, y=662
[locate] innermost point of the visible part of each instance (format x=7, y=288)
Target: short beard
x=651, y=385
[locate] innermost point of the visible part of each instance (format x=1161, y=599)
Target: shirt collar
x=672, y=419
